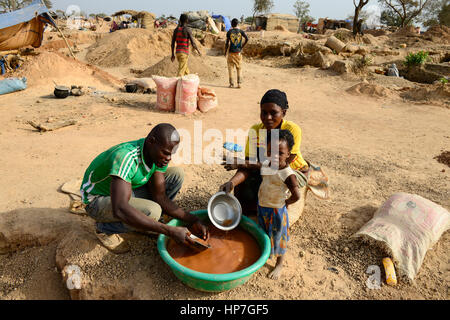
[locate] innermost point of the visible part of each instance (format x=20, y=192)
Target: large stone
x=24, y=228
x=343, y=66
x=317, y=59
x=335, y=44
x=420, y=74
x=103, y=275
x=362, y=50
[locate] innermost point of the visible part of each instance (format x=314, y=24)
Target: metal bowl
x=224, y=211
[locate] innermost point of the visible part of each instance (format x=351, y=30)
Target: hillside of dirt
x=130, y=47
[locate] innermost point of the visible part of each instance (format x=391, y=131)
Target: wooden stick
x=53, y=126
x=62, y=34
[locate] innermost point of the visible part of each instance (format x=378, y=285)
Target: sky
x=333, y=9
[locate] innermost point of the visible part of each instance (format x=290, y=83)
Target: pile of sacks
x=183, y=95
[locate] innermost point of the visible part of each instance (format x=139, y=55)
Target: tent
x=24, y=27
x=225, y=20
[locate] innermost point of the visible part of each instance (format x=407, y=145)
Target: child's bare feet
x=276, y=273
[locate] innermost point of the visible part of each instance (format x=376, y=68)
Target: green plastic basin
x=216, y=282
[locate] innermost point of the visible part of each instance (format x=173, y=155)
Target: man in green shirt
x=129, y=186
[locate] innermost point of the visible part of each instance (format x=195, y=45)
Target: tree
x=357, y=22
x=301, y=9
x=364, y=15
x=13, y=5
x=261, y=6
x=444, y=15
x=431, y=13
x=390, y=18
x=406, y=10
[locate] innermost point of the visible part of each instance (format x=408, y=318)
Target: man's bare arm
x=157, y=189
x=120, y=196
x=194, y=45
x=174, y=36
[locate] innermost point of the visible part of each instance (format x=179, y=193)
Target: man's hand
x=199, y=229
x=227, y=187
x=180, y=235
x=173, y=58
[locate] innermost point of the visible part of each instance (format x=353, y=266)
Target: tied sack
x=10, y=85
x=186, y=96
x=165, y=93
x=408, y=226
x=207, y=99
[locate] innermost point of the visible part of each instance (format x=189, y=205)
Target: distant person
x=114, y=27
x=233, y=48
x=182, y=36
x=273, y=199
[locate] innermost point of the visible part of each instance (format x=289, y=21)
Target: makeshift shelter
x=24, y=27
x=329, y=24
x=269, y=22
x=224, y=20
x=145, y=19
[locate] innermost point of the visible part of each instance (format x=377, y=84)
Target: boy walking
x=182, y=36
x=235, y=37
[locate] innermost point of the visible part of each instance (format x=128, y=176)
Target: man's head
x=183, y=19
x=160, y=144
x=234, y=23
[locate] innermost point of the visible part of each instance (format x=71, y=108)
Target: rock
x=77, y=92
x=24, y=228
x=333, y=269
x=362, y=51
x=317, y=60
x=335, y=44
x=369, y=39
x=351, y=48
x=342, y=66
x=403, y=45
x=385, y=52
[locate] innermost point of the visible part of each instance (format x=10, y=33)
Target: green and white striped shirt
x=125, y=161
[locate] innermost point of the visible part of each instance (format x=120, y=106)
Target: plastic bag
x=165, y=92
x=186, y=94
x=408, y=225
x=12, y=85
x=207, y=99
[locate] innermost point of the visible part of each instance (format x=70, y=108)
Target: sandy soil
x=370, y=145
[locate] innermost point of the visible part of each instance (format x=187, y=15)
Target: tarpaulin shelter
x=24, y=27
x=225, y=20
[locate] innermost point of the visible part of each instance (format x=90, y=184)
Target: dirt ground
x=372, y=144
